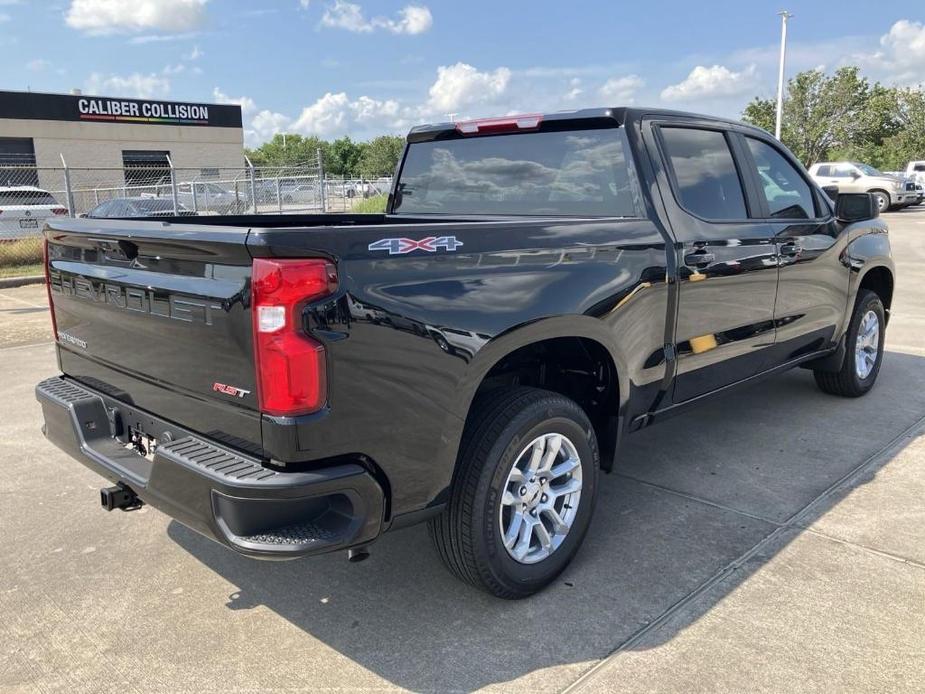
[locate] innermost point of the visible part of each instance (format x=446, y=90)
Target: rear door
x=727, y=263
x=157, y=315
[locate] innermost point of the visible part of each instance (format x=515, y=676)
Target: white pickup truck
x=915, y=172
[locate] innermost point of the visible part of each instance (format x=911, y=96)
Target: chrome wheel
x=540, y=498
x=883, y=202
x=867, y=345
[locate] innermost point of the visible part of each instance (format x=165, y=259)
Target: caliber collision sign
x=143, y=111
x=69, y=107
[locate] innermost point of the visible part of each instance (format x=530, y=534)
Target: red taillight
x=290, y=364
x=487, y=126
x=51, y=304
x=59, y=210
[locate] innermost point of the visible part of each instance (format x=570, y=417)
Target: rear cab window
x=578, y=173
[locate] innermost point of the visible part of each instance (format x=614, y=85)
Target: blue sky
x=332, y=67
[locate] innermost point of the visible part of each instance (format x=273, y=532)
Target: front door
x=812, y=293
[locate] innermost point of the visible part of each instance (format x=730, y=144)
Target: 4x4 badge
x=401, y=246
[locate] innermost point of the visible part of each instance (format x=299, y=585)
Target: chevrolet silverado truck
x=539, y=288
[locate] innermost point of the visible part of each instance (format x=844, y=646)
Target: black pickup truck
x=539, y=288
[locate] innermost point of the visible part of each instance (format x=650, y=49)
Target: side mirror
x=855, y=175
x=856, y=207
x=831, y=192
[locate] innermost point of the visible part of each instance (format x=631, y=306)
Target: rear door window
x=705, y=174
x=567, y=173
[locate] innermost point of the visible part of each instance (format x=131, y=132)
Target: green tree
x=345, y=157
x=761, y=112
x=822, y=112
x=908, y=142
x=289, y=150
x=381, y=156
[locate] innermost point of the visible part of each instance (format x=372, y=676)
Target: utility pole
x=784, y=16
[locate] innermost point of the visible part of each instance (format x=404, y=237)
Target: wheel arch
x=880, y=280
x=558, y=335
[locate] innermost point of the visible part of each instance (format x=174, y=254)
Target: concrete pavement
x=771, y=540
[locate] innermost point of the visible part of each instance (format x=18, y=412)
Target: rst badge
x=230, y=390
x=400, y=246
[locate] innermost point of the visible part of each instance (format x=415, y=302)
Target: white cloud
x=412, y=19
x=327, y=116
x=161, y=38
x=711, y=82
x=369, y=110
x=334, y=115
x=575, y=89
x=195, y=54
x=114, y=16
x=247, y=104
x=135, y=85
x=621, y=90
x=461, y=85
x=901, y=56
x=264, y=126
x=38, y=65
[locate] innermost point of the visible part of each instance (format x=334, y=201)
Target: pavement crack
x=701, y=500
x=866, y=548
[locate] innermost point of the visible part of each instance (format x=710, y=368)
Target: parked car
x=207, y=197
x=915, y=170
x=24, y=209
x=304, y=193
x=138, y=207
x=853, y=177
x=539, y=289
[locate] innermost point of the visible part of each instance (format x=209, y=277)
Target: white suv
x=852, y=177
x=24, y=209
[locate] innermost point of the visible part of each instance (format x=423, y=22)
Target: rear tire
x=863, y=353
x=515, y=442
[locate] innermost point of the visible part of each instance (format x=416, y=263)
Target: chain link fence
x=29, y=195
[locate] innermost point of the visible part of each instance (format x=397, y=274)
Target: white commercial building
x=131, y=138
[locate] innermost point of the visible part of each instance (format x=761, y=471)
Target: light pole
x=784, y=16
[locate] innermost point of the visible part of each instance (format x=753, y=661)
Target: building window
x=17, y=162
x=145, y=167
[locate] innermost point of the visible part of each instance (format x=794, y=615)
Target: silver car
x=854, y=177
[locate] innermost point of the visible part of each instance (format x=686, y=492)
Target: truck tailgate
x=158, y=315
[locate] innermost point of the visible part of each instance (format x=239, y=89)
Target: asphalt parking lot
x=773, y=540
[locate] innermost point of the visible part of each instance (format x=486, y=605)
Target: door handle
x=790, y=249
x=699, y=258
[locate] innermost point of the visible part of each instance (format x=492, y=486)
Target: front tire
x=864, y=350
x=883, y=199
x=523, y=493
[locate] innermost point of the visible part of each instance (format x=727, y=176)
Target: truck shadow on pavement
x=688, y=498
